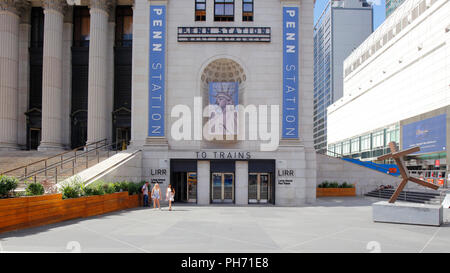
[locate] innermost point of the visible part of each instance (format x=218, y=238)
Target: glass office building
x=342, y=26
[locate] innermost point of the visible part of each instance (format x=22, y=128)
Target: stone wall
x=334, y=169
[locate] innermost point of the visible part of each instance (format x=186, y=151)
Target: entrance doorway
x=34, y=140
x=185, y=185
x=259, y=187
x=222, y=187
x=122, y=135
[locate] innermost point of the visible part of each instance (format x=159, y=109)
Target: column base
x=9, y=146
x=49, y=146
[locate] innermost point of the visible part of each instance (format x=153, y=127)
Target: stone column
x=203, y=182
x=67, y=76
x=98, y=70
x=9, y=71
x=241, y=183
x=110, y=86
x=52, y=76
x=24, y=75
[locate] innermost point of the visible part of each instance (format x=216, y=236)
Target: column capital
x=25, y=16
x=56, y=5
x=105, y=5
x=14, y=6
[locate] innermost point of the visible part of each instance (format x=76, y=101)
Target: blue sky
x=379, y=11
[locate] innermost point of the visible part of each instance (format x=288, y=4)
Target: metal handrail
x=73, y=159
x=60, y=164
x=58, y=155
x=63, y=161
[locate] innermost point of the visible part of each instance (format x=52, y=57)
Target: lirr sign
x=224, y=34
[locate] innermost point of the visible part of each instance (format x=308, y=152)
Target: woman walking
x=170, y=193
x=156, y=195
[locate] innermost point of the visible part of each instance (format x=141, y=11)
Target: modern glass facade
x=342, y=26
x=323, y=96
x=368, y=146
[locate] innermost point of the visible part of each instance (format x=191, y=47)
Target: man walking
x=144, y=191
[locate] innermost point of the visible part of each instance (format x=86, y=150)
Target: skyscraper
x=342, y=26
x=391, y=5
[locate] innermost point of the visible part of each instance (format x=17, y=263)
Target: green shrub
x=335, y=184
x=133, y=188
x=34, y=188
x=7, y=185
x=117, y=187
x=73, y=188
x=108, y=188
x=94, y=188
x=346, y=185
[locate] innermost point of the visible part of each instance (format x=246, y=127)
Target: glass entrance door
x=259, y=188
x=222, y=188
x=191, y=187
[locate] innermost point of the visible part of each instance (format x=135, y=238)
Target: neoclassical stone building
x=74, y=72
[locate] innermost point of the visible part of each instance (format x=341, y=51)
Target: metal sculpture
x=398, y=158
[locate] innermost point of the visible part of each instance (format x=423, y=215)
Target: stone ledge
x=407, y=213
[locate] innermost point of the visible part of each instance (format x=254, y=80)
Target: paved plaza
x=330, y=225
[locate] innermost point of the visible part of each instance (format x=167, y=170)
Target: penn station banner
x=290, y=72
x=157, y=47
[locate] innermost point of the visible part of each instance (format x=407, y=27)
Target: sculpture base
x=407, y=213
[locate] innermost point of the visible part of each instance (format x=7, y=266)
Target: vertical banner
x=290, y=72
x=156, y=86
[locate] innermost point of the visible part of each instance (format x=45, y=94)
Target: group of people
x=156, y=195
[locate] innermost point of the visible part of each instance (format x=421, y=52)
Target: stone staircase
x=424, y=197
x=50, y=168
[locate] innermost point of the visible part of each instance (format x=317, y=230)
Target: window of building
x=81, y=28
x=346, y=147
x=224, y=10
x=338, y=149
x=365, y=143
x=124, y=26
x=378, y=139
x=392, y=134
x=200, y=10
x=355, y=145
x=247, y=10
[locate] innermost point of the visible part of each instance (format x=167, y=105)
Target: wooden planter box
x=24, y=212
x=320, y=192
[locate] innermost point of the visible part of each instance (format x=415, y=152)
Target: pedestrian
x=170, y=193
x=144, y=191
x=156, y=195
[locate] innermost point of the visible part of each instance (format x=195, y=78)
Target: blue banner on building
x=429, y=134
x=290, y=72
x=157, y=47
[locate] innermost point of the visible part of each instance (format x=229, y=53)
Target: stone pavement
x=330, y=225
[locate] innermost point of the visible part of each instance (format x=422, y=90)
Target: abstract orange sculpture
x=398, y=158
